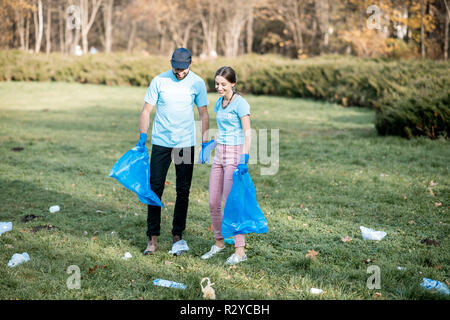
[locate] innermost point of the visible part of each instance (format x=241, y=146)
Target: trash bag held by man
x=132, y=170
x=242, y=213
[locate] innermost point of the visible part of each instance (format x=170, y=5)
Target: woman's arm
x=245, y=121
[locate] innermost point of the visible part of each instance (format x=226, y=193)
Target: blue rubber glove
x=142, y=139
x=205, y=153
x=242, y=166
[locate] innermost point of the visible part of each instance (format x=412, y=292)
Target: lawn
x=335, y=174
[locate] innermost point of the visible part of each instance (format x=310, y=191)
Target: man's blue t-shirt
x=229, y=120
x=174, y=124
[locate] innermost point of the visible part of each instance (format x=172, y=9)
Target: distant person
x=174, y=93
x=232, y=151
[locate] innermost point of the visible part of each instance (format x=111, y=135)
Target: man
x=174, y=92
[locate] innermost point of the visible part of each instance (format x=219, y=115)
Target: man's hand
x=142, y=139
x=242, y=166
x=205, y=153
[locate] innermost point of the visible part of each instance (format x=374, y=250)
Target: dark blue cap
x=181, y=58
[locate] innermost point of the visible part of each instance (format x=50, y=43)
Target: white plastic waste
x=179, y=247
x=169, y=284
x=127, y=256
x=54, y=209
x=431, y=284
x=370, y=234
x=401, y=268
x=18, y=258
x=208, y=291
x=5, y=227
x=315, y=291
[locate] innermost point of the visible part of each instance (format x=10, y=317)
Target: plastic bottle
x=431, y=284
x=54, y=209
x=169, y=284
x=18, y=258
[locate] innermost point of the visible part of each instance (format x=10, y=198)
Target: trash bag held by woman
x=242, y=213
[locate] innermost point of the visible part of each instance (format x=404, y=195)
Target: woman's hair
x=228, y=73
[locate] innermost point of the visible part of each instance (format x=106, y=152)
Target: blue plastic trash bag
x=132, y=170
x=242, y=213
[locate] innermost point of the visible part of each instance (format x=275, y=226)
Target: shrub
x=404, y=93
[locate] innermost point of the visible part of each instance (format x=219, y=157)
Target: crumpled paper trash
x=18, y=258
x=370, y=234
x=5, y=227
x=179, y=247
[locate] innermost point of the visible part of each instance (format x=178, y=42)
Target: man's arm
x=204, y=117
x=144, y=119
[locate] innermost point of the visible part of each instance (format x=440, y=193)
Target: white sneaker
x=235, y=258
x=214, y=249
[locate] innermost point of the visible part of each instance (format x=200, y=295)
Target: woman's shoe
x=214, y=250
x=235, y=258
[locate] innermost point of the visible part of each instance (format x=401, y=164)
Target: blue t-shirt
x=229, y=120
x=174, y=123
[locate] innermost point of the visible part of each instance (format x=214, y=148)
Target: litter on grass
x=5, y=227
x=179, y=247
x=370, y=234
x=169, y=284
x=54, y=209
x=127, y=256
x=208, y=291
x=18, y=258
x=315, y=291
x=431, y=284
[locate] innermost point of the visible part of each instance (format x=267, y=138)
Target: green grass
x=335, y=174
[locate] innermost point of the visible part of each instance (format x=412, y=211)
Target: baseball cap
x=181, y=58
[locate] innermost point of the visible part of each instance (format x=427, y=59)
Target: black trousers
x=161, y=158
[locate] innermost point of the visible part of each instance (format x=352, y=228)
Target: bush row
x=410, y=96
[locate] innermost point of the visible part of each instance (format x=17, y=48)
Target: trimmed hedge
x=410, y=96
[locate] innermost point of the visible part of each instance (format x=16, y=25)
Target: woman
x=232, y=150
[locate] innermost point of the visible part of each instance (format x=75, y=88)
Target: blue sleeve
x=243, y=108
x=201, y=97
x=151, y=97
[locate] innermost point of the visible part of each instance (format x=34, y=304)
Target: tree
x=87, y=19
x=107, y=21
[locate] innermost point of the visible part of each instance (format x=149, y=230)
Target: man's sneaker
x=214, y=249
x=235, y=258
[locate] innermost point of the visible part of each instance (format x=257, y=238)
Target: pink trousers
x=224, y=163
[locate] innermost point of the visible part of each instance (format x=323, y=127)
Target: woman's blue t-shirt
x=229, y=120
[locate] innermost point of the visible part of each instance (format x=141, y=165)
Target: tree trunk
x=107, y=20
x=39, y=26
x=61, y=30
x=132, y=36
x=250, y=31
x=20, y=27
x=87, y=21
x=446, y=36
x=27, y=32
x=422, y=29
x=48, y=41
